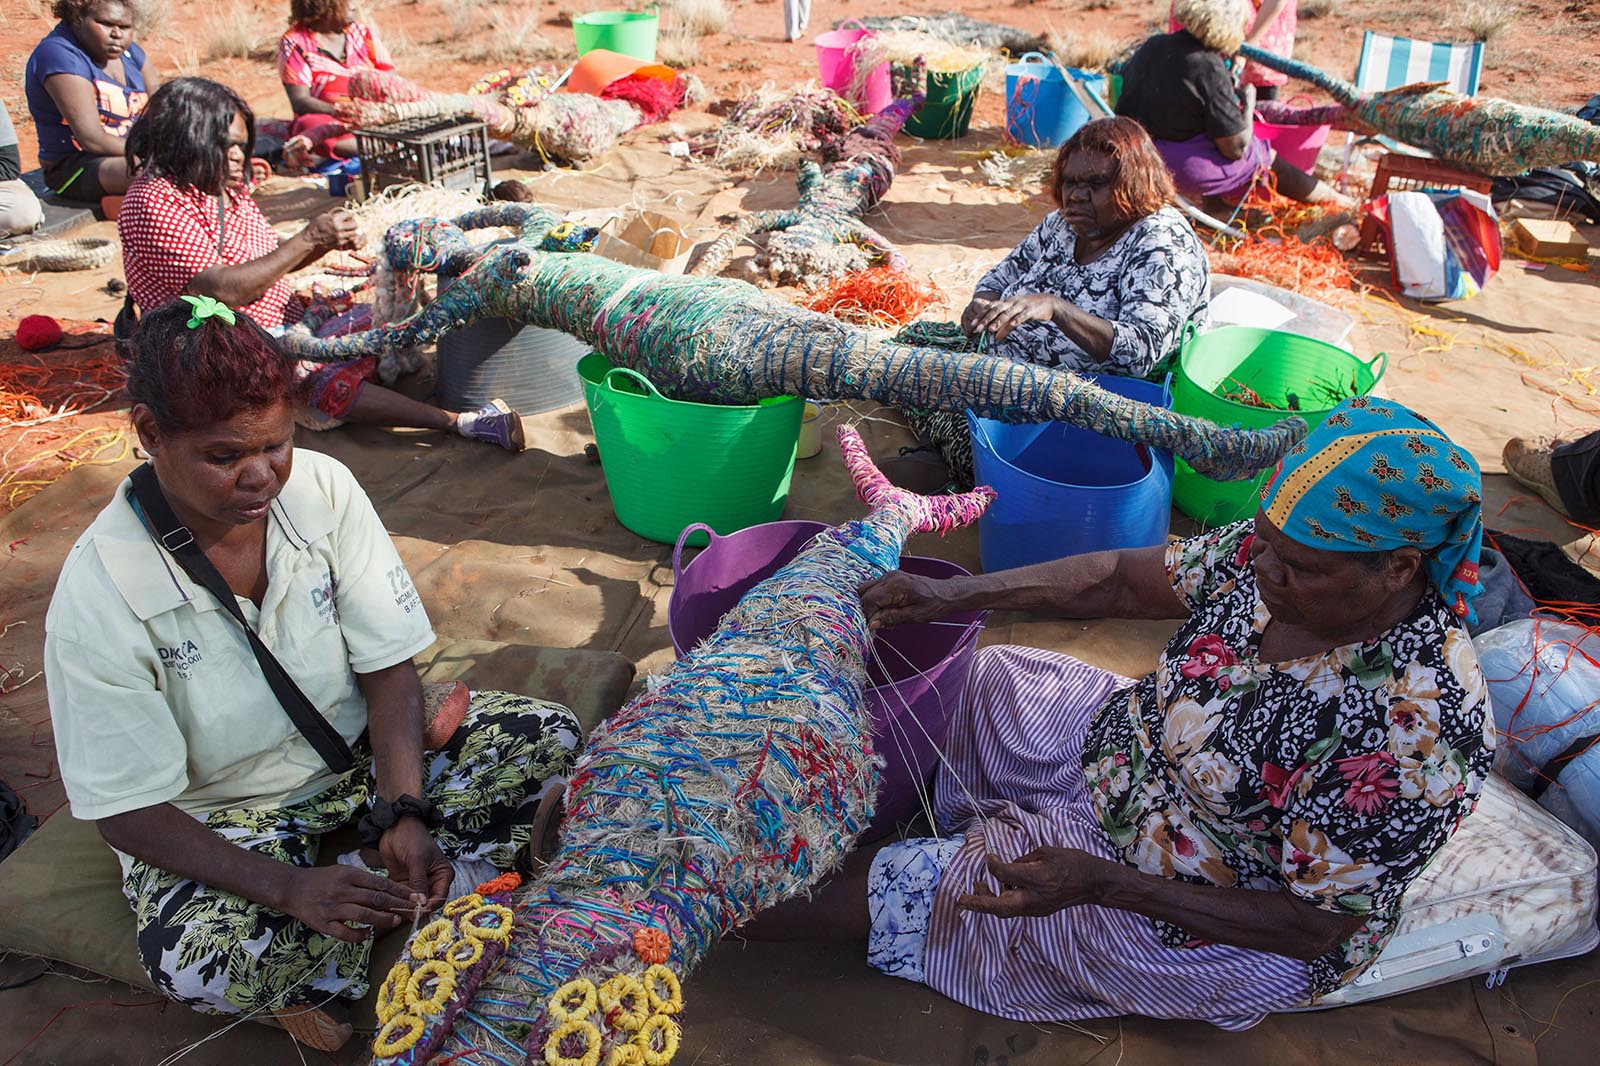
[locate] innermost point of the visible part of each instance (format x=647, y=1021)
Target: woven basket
x=77, y=253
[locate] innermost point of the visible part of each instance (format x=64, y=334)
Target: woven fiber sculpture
x=739, y=778
x=717, y=340
x=1481, y=133
x=570, y=126
x=822, y=237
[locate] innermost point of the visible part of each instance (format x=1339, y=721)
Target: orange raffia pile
x=1316, y=268
x=878, y=296
x=37, y=387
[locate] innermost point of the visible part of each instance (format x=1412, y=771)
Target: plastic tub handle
x=629, y=373
x=1166, y=389
x=856, y=22
x=980, y=430
x=1377, y=376
x=677, y=549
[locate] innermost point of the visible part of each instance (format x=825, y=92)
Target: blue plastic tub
x=1041, y=110
x=1063, y=490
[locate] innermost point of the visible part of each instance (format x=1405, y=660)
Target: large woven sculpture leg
x=738, y=779
x=720, y=340
x=1481, y=133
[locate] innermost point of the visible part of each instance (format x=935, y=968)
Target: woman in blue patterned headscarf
x=1376, y=477
x=1245, y=819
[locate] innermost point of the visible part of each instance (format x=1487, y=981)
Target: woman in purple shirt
x=86, y=83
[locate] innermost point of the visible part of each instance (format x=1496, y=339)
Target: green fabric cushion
x=60, y=894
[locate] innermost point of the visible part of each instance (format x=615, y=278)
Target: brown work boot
x=1528, y=461
x=324, y=1028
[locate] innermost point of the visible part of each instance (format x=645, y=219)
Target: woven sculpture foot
x=1230, y=454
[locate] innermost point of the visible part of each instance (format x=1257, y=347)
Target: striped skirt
x=1014, y=752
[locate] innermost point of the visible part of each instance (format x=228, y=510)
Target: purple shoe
x=496, y=423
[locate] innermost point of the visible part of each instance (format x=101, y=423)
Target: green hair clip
x=205, y=307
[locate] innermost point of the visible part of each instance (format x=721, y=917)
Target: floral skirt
x=223, y=954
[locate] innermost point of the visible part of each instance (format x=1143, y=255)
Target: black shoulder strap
x=177, y=539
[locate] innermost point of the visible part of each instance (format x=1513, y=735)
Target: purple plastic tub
x=916, y=672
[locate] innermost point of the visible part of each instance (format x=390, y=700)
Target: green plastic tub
x=1273, y=364
x=671, y=463
x=633, y=33
x=947, y=112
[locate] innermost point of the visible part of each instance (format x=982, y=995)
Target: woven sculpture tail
x=1341, y=90
x=925, y=514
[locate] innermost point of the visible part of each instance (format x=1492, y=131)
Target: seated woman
x=172, y=739
x=20, y=210
x=189, y=225
x=86, y=83
x=1231, y=835
x=1104, y=284
x=316, y=57
x=1178, y=86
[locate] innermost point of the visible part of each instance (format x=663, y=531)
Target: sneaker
x=324, y=1028
x=496, y=423
x=1528, y=462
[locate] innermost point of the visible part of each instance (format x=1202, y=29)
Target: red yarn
x=655, y=99
x=37, y=332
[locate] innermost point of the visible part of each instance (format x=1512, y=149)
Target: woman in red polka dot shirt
x=189, y=225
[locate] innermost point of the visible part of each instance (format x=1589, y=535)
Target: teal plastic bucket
x=1041, y=110
x=1273, y=365
x=946, y=113
x=671, y=463
x=1064, y=490
x=633, y=33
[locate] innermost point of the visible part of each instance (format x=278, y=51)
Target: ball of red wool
x=38, y=331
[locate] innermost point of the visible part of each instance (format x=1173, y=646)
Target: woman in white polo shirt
x=173, y=740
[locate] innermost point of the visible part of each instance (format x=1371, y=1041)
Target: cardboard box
x=1549, y=238
x=646, y=239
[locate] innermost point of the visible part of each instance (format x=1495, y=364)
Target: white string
x=316, y=967
x=944, y=760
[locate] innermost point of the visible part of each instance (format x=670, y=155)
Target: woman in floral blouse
x=1104, y=284
x=1233, y=834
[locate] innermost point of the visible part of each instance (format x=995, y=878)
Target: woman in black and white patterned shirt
x=1104, y=284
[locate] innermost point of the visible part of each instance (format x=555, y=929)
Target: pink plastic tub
x=836, y=68
x=1298, y=145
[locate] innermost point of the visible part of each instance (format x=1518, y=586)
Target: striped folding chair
x=1391, y=62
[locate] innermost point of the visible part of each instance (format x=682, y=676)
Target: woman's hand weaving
x=898, y=597
x=325, y=898
x=1003, y=316
x=1041, y=882
x=413, y=859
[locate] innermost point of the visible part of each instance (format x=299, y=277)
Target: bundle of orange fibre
x=879, y=296
x=38, y=387
x=1316, y=269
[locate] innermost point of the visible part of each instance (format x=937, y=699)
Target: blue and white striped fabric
x=1390, y=62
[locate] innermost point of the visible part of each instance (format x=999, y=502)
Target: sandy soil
x=1517, y=359
x=1539, y=51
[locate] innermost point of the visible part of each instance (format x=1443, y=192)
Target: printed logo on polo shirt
x=405, y=593
x=325, y=602
x=181, y=658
